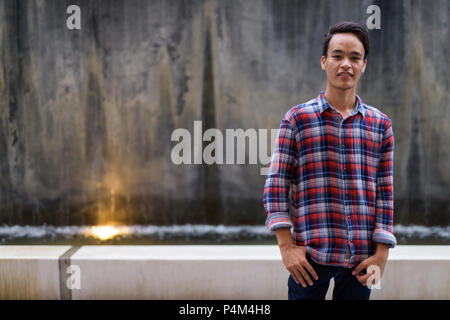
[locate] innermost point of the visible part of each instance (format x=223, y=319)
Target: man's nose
x=346, y=63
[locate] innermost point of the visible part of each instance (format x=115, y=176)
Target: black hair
x=343, y=27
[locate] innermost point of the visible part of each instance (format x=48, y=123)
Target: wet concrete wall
x=87, y=115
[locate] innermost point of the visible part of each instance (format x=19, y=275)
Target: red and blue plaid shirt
x=340, y=172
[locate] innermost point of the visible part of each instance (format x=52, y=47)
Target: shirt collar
x=323, y=104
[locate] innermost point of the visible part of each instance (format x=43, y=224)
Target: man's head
x=344, y=55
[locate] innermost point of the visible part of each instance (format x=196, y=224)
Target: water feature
x=184, y=234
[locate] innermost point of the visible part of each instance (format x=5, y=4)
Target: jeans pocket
x=311, y=261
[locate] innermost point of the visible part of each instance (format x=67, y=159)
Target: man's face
x=344, y=63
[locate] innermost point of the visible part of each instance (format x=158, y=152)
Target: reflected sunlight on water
x=107, y=232
x=184, y=234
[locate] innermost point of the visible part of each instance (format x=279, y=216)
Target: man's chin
x=344, y=87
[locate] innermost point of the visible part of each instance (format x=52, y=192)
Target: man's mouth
x=345, y=74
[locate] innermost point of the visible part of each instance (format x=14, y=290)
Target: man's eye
x=356, y=58
x=336, y=56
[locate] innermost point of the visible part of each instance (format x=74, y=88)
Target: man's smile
x=345, y=74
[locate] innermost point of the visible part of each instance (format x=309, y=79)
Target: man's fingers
x=363, y=278
x=298, y=278
x=294, y=276
x=311, y=270
x=306, y=276
x=359, y=268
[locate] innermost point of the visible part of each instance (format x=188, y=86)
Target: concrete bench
x=194, y=272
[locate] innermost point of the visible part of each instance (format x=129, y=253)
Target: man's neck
x=342, y=100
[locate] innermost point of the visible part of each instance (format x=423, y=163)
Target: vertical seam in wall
x=65, y=293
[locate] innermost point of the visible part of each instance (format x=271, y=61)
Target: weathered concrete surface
x=238, y=272
x=86, y=115
x=200, y=272
x=30, y=272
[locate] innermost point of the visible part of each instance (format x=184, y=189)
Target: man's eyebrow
x=353, y=52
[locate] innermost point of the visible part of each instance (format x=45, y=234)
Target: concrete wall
x=86, y=115
x=196, y=272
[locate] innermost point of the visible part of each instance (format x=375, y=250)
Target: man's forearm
x=284, y=237
x=382, y=249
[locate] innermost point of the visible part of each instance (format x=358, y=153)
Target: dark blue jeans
x=346, y=286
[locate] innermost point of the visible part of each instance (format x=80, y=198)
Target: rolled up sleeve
x=278, y=181
x=385, y=193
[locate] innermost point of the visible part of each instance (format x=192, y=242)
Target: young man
x=337, y=153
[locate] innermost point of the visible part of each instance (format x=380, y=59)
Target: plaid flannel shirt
x=340, y=172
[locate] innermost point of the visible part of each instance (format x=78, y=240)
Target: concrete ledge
x=30, y=272
x=198, y=272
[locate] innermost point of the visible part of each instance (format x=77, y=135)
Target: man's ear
x=322, y=62
x=365, y=65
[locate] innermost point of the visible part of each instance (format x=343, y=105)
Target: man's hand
x=294, y=258
x=296, y=263
x=378, y=260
